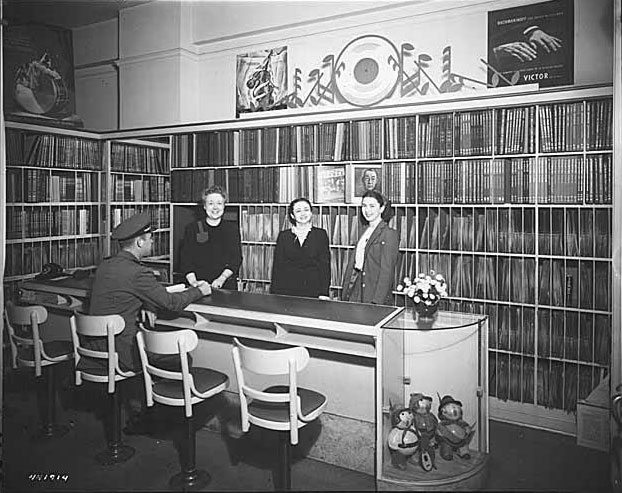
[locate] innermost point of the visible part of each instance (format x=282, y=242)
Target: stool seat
x=205, y=380
x=179, y=386
x=310, y=402
x=24, y=324
x=102, y=366
x=53, y=349
x=284, y=408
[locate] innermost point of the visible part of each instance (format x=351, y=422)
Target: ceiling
x=64, y=13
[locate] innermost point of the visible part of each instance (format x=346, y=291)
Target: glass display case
x=423, y=364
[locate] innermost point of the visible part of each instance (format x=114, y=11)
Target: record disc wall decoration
x=367, y=70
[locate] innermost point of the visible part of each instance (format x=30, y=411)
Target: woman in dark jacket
x=211, y=247
x=301, y=264
x=370, y=274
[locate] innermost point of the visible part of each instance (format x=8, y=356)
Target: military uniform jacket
x=378, y=273
x=123, y=286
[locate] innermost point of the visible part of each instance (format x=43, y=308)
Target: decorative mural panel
x=370, y=69
x=450, y=54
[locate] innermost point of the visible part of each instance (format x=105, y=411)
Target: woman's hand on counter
x=204, y=287
x=218, y=282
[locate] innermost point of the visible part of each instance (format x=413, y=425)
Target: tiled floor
x=520, y=459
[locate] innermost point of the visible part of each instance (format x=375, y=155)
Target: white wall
x=429, y=27
x=95, y=50
x=97, y=91
x=177, y=59
x=216, y=21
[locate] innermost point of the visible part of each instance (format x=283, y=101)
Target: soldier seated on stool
x=125, y=287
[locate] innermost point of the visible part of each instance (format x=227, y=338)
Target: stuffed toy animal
x=453, y=433
x=425, y=423
x=402, y=439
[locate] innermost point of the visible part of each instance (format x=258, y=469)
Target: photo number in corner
x=532, y=44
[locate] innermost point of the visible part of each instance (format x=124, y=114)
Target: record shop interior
x=312, y=245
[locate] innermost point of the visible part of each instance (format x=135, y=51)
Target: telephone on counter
x=51, y=271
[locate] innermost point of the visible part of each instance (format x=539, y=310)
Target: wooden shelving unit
x=53, y=202
x=138, y=180
x=510, y=199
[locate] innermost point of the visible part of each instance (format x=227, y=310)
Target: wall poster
x=38, y=74
x=532, y=44
x=261, y=80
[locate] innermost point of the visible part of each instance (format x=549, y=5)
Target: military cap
x=133, y=226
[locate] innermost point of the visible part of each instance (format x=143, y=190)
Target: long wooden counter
x=333, y=326
x=364, y=358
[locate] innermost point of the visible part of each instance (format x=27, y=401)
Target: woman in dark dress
x=301, y=265
x=211, y=247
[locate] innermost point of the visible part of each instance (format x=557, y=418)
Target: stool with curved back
x=183, y=386
x=28, y=350
x=285, y=408
x=103, y=326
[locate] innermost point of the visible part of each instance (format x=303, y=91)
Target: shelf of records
x=27, y=258
x=581, y=232
x=126, y=187
x=30, y=221
x=542, y=356
x=143, y=157
x=574, y=285
x=564, y=127
x=566, y=179
x=492, y=253
x=36, y=185
x=160, y=214
x=49, y=150
x=160, y=248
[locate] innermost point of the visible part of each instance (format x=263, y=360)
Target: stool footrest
x=116, y=455
x=50, y=431
x=190, y=481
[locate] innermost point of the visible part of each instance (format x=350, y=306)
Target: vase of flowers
x=425, y=291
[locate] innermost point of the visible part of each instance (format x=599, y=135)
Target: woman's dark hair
x=387, y=214
x=290, y=208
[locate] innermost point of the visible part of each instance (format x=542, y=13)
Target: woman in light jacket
x=370, y=274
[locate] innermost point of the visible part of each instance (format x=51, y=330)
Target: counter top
x=407, y=320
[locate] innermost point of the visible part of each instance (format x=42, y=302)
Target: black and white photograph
x=253, y=246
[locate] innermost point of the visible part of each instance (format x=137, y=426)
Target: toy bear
x=402, y=439
x=425, y=423
x=454, y=434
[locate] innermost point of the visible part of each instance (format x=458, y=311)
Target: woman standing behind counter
x=301, y=264
x=370, y=273
x=211, y=247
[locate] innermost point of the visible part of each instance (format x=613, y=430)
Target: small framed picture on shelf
x=361, y=178
x=330, y=184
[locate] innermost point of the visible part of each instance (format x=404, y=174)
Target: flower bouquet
x=425, y=291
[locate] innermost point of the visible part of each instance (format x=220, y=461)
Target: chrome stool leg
x=284, y=467
x=50, y=429
x=116, y=452
x=190, y=478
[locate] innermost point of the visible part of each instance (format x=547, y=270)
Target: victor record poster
x=532, y=44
